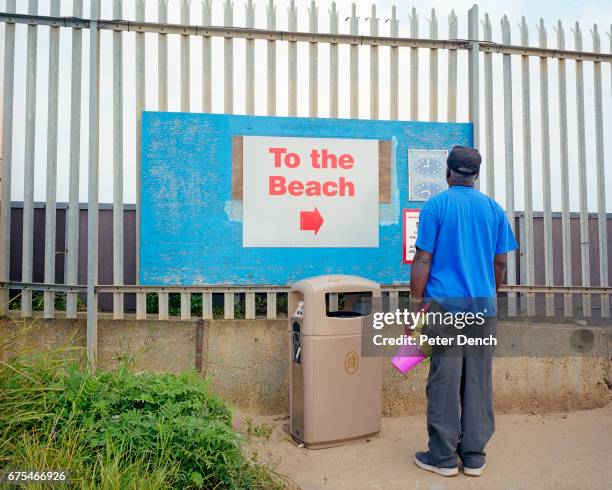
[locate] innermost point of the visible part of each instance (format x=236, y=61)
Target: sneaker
x=474, y=471
x=425, y=461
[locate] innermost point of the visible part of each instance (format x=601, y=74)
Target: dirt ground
x=561, y=450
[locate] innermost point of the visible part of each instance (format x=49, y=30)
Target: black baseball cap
x=464, y=160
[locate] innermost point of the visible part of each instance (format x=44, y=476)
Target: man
x=462, y=241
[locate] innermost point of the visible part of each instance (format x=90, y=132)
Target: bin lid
x=335, y=283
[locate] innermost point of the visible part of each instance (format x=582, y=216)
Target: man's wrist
x=415, y=303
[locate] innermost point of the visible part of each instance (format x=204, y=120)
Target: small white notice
x=310, y=192
x=410, y=230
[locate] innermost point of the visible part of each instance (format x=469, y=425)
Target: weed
x=119, y=429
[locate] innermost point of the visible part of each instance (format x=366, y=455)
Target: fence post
x=199, y=344
x=7, y=156
x=72, y=219
x=140, y=105
x=185, y=306
x=28, y=171
x=117, y=163
x=249, y=306
x=228, y=305
x=489, y=119
x=546, y=189
x=509, y=159
x=601, y=177
x=474, y=72
x=582, y=175
x=563, y=143
x=527, y=172
x=271, y=305
x=51, y=197
x=92, y=187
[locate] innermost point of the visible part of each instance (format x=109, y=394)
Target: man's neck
x=460, y=185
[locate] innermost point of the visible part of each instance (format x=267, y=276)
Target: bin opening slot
x=349, y=304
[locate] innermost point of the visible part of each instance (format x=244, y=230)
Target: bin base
x=337, y=442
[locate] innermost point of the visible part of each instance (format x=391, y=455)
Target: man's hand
x=500, y=264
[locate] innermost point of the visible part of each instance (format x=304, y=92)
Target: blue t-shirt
x=464, y=229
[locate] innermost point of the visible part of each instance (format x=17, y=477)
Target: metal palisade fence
x=476, y=68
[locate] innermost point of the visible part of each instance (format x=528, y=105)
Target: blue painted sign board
x=192, y=230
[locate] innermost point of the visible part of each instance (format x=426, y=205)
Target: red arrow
x=311, y=220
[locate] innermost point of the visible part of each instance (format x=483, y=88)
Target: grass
x=119, y=429
x=258, y=430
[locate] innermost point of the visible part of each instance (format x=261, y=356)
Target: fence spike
x=292, y=61
x=541, y=33
x=185, y=59
x=394, y=67
x=433, y=69
x=451, y=109
x=333, y=18
x=414, y=66
x=596, y=39
x=162, y=58
x=452, y=24
x=313, y=62
x=271, y=62
x=249, y=9
x=354, y=63
x=228, y=49
x=373, y=65
x=489, y=121
x=206, y=59
x=524, y=28
x=333, y=63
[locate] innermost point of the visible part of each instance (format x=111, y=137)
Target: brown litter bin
x=334, y=393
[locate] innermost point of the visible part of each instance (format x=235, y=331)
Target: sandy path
x=562, y=450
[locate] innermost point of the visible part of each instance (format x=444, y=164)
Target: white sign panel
x=426, y=173
x=310, y=192
x=411, y=228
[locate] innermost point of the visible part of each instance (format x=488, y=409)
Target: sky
x=586, y=12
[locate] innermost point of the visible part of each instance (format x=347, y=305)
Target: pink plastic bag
x=409, y=356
